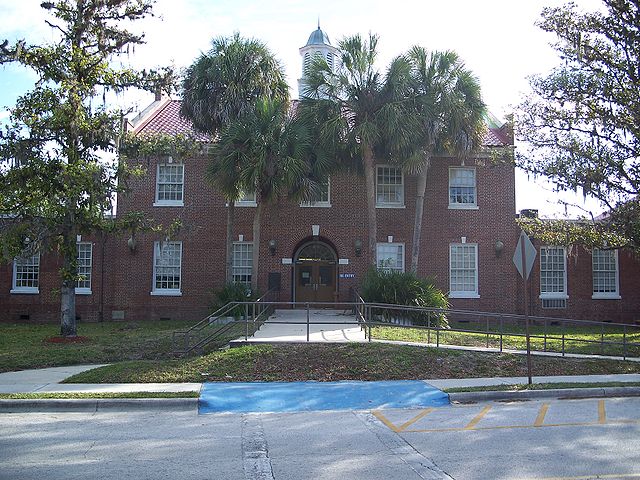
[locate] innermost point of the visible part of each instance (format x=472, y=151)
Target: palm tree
x=271, y=148
x=361, y=113
x=222, y=86
x=450, y=110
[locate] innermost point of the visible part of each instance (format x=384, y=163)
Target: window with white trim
x=85, y=253
x=553, y=277
x=167, y=266
x=462, y=188
x=170, y=185
x=320, y=197
x=242, y=262
x=26, y=274
x=390, y=256
x=605, y=274
x=389, y=186
x=246, y=199
x=463, y=270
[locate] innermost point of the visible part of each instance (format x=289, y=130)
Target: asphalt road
x=559, y=439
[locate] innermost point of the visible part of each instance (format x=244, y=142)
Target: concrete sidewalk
x=325, y=326
x=47, y=380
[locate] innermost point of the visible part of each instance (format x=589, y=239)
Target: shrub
x=404, y=288
x=232, y=292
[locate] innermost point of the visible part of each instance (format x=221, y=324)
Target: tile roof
x=165, y=118
x=495, y=137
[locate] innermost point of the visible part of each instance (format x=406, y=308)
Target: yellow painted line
x=506, y=427
x=422, y=414
x=378, y=414
x=541, y=414
x=590, y=477
x=602, y=413
x=477, y=418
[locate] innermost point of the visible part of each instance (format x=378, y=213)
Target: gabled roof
x=163, y=117
x=497, y=137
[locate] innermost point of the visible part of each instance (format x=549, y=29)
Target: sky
x=497, y=39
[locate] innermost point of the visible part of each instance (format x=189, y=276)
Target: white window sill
x=166, y=293
x=606, y=296
x=390, y=205
x=166, y=203
x=463, y=295
x=315, y=205
x=25, y=290
x=554, y=296
x=462, y=206
x=83, y=291
x=245, y=204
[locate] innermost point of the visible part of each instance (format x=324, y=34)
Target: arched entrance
x=315, y=273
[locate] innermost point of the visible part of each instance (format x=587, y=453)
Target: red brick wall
x=580, y=305
x=204, y=230
x=45, y=306
x=128, y=275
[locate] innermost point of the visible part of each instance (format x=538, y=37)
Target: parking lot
x=552, y=439
x=592, y=412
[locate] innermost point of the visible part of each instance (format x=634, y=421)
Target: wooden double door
x=315, y=281
x=315, y=273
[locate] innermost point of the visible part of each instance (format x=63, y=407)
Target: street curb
x=98, y=404
x=560, y=393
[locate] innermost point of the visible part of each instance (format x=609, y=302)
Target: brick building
x=316, y=251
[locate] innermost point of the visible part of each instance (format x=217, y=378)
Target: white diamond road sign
x=529, y=255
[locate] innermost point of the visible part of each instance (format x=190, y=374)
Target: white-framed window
x=389, y=187
x=85, y=254
x=170, y=185
x=605, y=274
x=26, y=274
x=462, y=188
x=463, y=270
x=242, y=262
x=167, y=268
x=390, y=256
x=553, y=277
x=321, y=197
x=246, y=199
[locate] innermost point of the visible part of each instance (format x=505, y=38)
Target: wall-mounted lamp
x=499, y=248
x=131, y=243
x=357, y=245
x=272, y=247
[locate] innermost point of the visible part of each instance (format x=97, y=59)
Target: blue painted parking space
x=313, y=396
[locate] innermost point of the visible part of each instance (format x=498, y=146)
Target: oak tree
x=55, y=182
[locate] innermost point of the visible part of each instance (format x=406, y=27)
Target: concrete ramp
x=325, y=326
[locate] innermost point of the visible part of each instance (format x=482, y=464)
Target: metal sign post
x=523, y=258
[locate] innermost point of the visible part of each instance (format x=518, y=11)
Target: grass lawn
x=84, y=395
x=577, y=339
x=342, y=362
x=25, y=346
x=540, y=386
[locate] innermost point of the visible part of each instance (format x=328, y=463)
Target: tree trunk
x=256, y=247
x=419, y=213
x=229, y=258
x=370, y=186
x=68, y=326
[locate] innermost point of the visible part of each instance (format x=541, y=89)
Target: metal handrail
x=212, y=319
x=490, y=324
x=365, y=316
